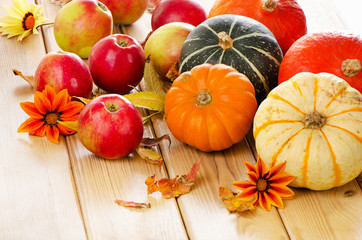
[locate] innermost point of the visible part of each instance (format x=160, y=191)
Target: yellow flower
x=22, y=19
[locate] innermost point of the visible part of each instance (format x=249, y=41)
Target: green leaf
x=149, y=100
x=152, y=81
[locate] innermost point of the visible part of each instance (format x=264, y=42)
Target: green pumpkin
x=240, y=42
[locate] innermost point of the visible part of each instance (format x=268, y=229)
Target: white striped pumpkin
x=314, y=123
x=240, y=42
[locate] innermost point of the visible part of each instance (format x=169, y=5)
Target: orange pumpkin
x=211, y=107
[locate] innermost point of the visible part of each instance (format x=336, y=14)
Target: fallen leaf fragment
x=173, y=187
x=149, y=155
x=151, y=142
x=133, y=204
x=234, y=204
x=173, y=73
x=29, y=79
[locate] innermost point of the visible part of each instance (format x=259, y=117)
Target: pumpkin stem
x=351, y=67
x=269, y=5
x=204, y=98
x=225, y=41
x=314, y=120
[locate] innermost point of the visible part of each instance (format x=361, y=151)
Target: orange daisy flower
x=47, y=109
x=266, y=186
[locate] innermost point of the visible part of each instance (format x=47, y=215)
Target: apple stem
x=122, y=43
x=112, y=108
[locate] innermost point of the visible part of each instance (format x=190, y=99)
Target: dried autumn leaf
x=85, y=101
x=70, y=124
x=133, y=204
x=29, y=79
x=148, y=100
x=151, y=142
x=149, y=155
x=174, y=187
x=232, y=203
x=173, y=73
x=152, y=82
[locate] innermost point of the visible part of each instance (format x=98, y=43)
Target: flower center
x=261, y=184
x=51, y=119
x=28, y=21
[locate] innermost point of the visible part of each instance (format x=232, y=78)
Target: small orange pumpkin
x=211, y=107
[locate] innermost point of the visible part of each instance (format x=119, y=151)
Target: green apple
x=80, y=24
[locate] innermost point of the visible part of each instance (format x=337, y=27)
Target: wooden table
x=50, y=191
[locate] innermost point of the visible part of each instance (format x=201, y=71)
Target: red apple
x=64, y=70
x=164, y=46
x=126, y=12
x=110, y=126
x=188, y=11
x=116, y=62
x=80, y=24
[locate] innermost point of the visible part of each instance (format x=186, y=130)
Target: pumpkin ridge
x=195, y=53
x=261, y=77
x=213, y=54
x=280, y=149
x=255, y=34
x=209, y=28
x=264, y=125
x=264, y=53
x=356, y=109
x=222, y=125
x=334, y=98
x=221, y=56
x=315, y=91
x=336, y=167
x=304, y=168
x=278, y=97
x=347, y=131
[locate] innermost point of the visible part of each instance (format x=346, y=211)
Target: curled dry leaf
x=173, y=73
x=151, y=142
x=173, y=187
x=29, y=79
x=149, y=155
x=133, y=204
x=232, y=203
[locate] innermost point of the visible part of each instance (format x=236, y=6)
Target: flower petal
x=250, y=167
x=72, y=109
x=264, y=202
x=40, y=132
x=30, y=124
x=274, y=198
x=282, y=190
x=260, y=168
x=252, y=176
x=247, y=194
x=242, y=184
x=30, y=109
x=276, y=169
x=60, y=100
x=49, y=93
x=63, y=130
x=53, y=134
x=42, y=104
x=282, y=179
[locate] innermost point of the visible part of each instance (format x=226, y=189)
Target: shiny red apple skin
x=117, y=62
x=108, y=133
x=80, y=24
x=126, y=12
x=64, y=70
x=188, y=11
x=164, y=46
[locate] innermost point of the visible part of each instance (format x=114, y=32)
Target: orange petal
x=252, y=176
x=274, y=198
x=60, y=100
x=260, y=168
x=63, y=130
x=247, y=194
x=40, y=132
x=42, y=103
x=264, y=203
x=277, y=169
x=71, y=109
x=250, y=167
x=30, y=124
x=30, y=109
x=242, y=184
x=49, y=93
x=282, y=190
x=53, y=134
x=282, y=179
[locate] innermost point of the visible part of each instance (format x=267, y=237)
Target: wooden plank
x=37, y=198
x=220, y=169
x=100, y=182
